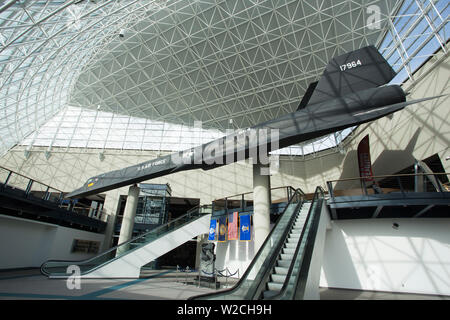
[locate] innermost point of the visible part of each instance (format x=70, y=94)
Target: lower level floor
x=154, y=285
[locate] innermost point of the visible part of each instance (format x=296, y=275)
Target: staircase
x=287, y=254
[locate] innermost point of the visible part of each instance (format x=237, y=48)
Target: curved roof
x=212, y=61
x=175, y=61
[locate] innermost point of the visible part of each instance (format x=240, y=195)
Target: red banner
x=233, y=226
x=365, y=164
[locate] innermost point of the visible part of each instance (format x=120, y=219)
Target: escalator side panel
x=123, y=260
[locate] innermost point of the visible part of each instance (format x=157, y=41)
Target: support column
x=261, y=204
x=126, y=229
x=110, y=207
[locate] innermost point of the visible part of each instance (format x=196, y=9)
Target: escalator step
x=284, y=270
x=273, y=286
x=284, y=263
x=269, y=294
x=292, y=243
x=281, y=270
x=278, y=278
x=287, y=256
x=289, y=250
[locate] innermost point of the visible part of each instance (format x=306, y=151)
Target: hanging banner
x=364, y=162
x=222, y=229
x=233, y=226
x=212, y=230
x=365, y=166
x=245, y=233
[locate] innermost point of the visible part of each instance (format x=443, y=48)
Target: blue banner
x=222, y=229
x=212, y=230
x=245, y=232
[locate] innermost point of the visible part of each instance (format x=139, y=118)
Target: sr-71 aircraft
x=352, y=90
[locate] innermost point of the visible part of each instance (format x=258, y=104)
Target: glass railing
x=56, y=268
x=295, y=283
x=249, y=286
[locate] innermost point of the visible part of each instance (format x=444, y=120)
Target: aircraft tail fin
x=307, y=96
x=358, y=70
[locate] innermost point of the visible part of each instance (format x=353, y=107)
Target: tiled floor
x=30, y=284
x=158, y=285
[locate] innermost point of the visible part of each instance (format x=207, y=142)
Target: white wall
x=370, y=254
x=27, y=243
x=235, y=255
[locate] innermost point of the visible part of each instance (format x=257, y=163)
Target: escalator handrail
x=319, y=191
x=255, y=258
x=123, y=243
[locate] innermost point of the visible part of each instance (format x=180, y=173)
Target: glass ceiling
x=43, y=46
x=68, y=79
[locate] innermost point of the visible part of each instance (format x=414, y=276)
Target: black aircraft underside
x=330, y=105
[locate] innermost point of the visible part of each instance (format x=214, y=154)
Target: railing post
x=439, y=184
x=400, y=185
x=226, y=276
x=46, y=195
x=330, y=189
x=30, y=183
x=8, y=177
x=60, y=198
x=363, y=186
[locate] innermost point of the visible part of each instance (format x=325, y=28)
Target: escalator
x=284, y=261
x=280, y=269
x=126, y=259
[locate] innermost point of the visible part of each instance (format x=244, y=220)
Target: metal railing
x=26, y=187
x=241, y=201
x=219, y=273
x=183, y=275
x=400, y=184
